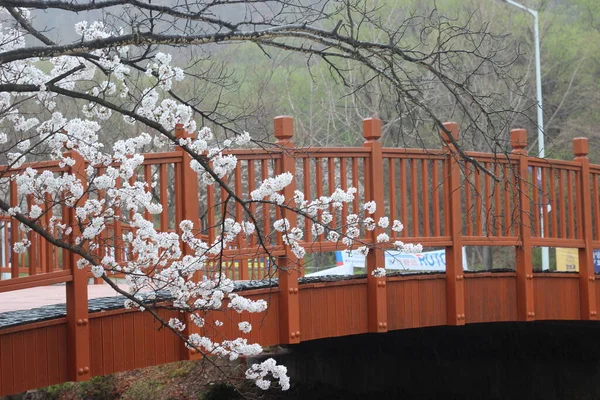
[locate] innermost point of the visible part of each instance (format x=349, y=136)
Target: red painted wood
x=108, y=348
x=28, y=352
x=52, y=338
x=129, y=341
x=36, y=355
x=556, y=297
x=77, y=296
x=405, y=310
x=41, y=349
x=333, y=311
x=585, y=228
x=454, y=270
x=483, y=294
x=376, y=297
x=97, y=367
x=6, y=365
x=117, y=334
x=289, y=265
x=140, y=340
x=523, y=253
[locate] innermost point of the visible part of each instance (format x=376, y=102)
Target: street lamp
x=540, y=108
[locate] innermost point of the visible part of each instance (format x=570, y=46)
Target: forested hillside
x=248, y=84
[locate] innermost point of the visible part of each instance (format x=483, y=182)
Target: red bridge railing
x=442, y=199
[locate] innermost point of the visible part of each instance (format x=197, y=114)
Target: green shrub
x=54, y=391
x=98, y=388
x=144, y=390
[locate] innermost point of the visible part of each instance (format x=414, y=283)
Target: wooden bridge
x=443, y=201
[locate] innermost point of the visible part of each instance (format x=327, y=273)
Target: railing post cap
x=580, y=147
x=372, y=128
x=451, y=127
x=181, y=133
x=518, y=139
x=284, y=127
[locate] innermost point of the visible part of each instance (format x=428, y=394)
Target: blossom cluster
x=259, y=373
x=97, y=189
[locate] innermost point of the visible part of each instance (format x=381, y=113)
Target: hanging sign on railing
x=568, y=259
x=394, y=260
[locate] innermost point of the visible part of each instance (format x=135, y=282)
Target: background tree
x=133, y=70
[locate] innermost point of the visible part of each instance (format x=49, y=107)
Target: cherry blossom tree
x=57, y=99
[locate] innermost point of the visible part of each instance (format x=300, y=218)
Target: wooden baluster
x=561, y=197
x=319, y=179
x=544, y=228
x=7, y=244
x=47, y=247
x=523, y=253
x=78, y=332
x=33, y=249
x=148, y=180
x=288, y=266
x=596, y=203
x=587, y=294
x=468, y=200
x=425, y=197
x=535, y=172
x=266, y=210
x=572, y=197
x=14, y=233
x=118, y=231
x=455, y=290
x=403, y=196
x=211, y=208
x=554, y=231
x=307, y=177
x=331, y=187
x=344, y=187
x=488, y=201
x=164, y=201
x=435, y=181
x=507, y=221
x=392, y=188
x=497, y=212
x=376, y=287
x=241, y=239
x=99, y=252
x=478, y=202
x=414, y=198
x=228, y=269
x=252, y=242
x=355, y=184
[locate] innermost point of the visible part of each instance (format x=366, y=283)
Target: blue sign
x=597, y=261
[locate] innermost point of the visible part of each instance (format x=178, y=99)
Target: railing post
x=78, y=329
x=288, y=266
x=587, y=277
x=523, y=253
x=189, y=205
x=189, y=201
x=455, y=289
x=376, y=287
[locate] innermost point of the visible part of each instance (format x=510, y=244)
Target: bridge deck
x=26, y=299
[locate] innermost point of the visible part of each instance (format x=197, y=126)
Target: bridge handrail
x=442, y=199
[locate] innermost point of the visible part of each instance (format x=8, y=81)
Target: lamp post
x=540, y=108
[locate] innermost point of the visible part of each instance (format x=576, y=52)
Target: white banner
x=345, y=269
x=394, y=260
